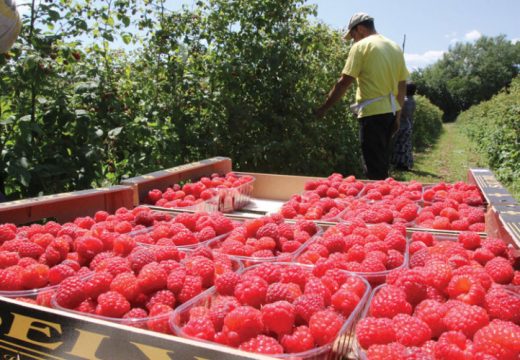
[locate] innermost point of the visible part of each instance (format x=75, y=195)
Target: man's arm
x=337, y=92
x=401, y=92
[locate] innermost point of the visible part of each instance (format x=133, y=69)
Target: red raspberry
x=8, y=258
x=175, y=280
x=165, y=297
x=325, y=326
x=88, y=246
x=425, y=237
x=466, y=319
x=221, y=224
x=71, y=292
x=7, y=232
x=35, y=276
x=126, y=284
x=192, y=287
x=140, y=257
x=97, y=284
x=152, y=277
x=500, y=339
x=262, y=344
x=483, y=255
x=371, y=330
x=413, y=282
x=251, y=290
x=315, y=286
x=299, y=341
x=203, y=267
x=123, y=244
x=29, y=249
x=112, y=304
x=279, y=317
x=88, y=306
x=396, y=241
x=470, y=240
x=432, y=312
x=410, y=330
x=220, y=307
x=225, y=283
x=60, y=272
x=242, y=324
x=504, y=304
x=135, y=318
x=11, y=279
x=159, y=318
x=467, y=289
x=282, y=291
x=393, y=350
x=200, y=328
x=500, y=270
x=496, y=246
x=477, y=272
x=269, y=230
x=306, y=306
x=453, y=345
x=389, y=301
x=345, y=301
x=516, y=278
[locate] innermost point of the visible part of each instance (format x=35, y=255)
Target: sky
x=430, y=26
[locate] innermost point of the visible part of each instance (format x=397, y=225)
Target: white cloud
x=24, y=7
x=514, y=41
x=416, y=61
x=473, y=35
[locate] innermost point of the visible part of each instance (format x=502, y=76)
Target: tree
x=469, y=73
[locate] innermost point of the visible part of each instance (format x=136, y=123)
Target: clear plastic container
x=340, y=348
x=248, y=261
x=231, y=199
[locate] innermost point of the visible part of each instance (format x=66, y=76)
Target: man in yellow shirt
x=10, y=24
x=377, y=65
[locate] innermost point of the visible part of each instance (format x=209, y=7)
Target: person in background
x=402, y=157
x=10, y=24
x=378, y=67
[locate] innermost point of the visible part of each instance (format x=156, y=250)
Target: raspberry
x=60, y=272
x=165, y=297
x=470, y=240
x=7, y=232
x=225, y=283
x=413, y=283
x=370, y=331
x=243, y=323
x=98, y=284
x=477, y=272
x=200, y=327
x=483, y=255
x=466, y=319
x=126, y=285
x=281, y=291
x=325, y=325
x=201, y=266
x=424, y=237
x=134, y=318
x=8, y=258
x=431, y=312
x=467, y=289
x=500, y=270
x=496, y=246
x=152, y=277
x=251, y=290
x=503, y=304
x=184, y=238
x=159, y=318
x=192, y=287
x=389, y=301
x=123, y=244
x=221, y=224
x=500, y=339
x=35, y=276
x=112, y=304
x=410, y=330
x=88, y=246
x=269, y=230
x=316, y=286
x=262, y=344
x=220, y=307
x=393, y=350
x=175, y=280
x=29, y=249
x=299, y=341
x=88, y=306
x=278, y=317
x=71, y=292
x=345, y=301
x=140, y=257
x=453, y=345
x=437, y=273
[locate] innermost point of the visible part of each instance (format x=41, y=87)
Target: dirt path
x=448, y=160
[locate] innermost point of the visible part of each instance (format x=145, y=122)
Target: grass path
x=448, y=160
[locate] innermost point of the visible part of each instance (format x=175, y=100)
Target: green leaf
x=127, y=38
x=112, y=134
x=25, y=118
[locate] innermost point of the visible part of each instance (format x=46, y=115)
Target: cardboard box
x=494, y=192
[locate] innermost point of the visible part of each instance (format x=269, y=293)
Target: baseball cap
x=355, y=20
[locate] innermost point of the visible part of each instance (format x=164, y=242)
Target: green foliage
x=469, y=73
x=494, y=126
x=427, y=123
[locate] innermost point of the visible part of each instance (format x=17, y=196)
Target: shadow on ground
x=401, y=175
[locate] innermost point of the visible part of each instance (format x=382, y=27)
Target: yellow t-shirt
x=10, y=24
x=378, y=65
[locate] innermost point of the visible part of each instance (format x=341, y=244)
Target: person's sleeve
x=10, y=24
x=404, y=74
x=353, y=65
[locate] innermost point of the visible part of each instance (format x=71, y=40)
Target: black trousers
x=375, y=134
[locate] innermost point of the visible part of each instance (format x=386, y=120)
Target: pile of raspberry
x=451, y=215
x=267, y=237
x=274, y=308
x=355, y=247
x=143, y=288
x=185, y=229
x=460, y=192
x=458, y=300
x=36, y=256
x=323, y=198
x=193, y=193
x=398, y=210
x=390, y=189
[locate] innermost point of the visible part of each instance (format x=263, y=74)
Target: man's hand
x=319, y=112
x=396, y=125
